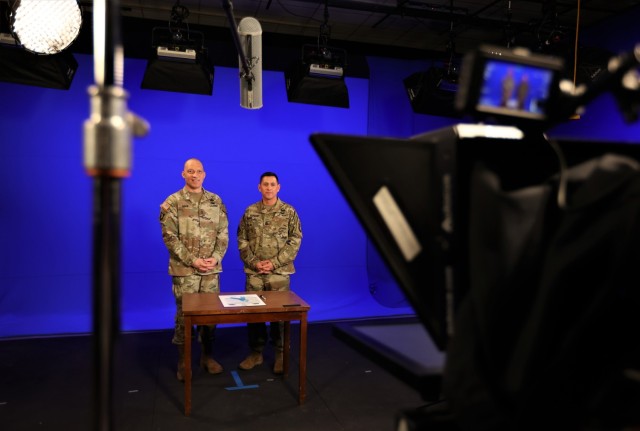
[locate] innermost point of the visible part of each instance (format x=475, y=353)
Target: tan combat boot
x=209, y=364
x=254, y=358
x=278, y=366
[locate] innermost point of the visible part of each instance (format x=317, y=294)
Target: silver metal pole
x=107, y=158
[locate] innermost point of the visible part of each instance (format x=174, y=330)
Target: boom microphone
x=250, y=33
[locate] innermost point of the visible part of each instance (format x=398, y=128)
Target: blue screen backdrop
x=46, y=275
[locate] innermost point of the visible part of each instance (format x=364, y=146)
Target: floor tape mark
x=239, y=384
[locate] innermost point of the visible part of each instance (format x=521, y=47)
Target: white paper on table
x=249, y=300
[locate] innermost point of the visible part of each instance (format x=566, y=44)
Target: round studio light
x=46, y=27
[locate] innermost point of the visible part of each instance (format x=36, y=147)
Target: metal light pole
x=107, y=158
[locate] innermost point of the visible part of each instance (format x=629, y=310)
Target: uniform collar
x=186, y=193
x=273, y=207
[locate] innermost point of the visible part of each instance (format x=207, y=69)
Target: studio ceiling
x=412, y=29
x=400, y=24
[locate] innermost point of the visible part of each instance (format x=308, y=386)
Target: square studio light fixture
x=432, y=92
x=179, y=69
x=179, y=61
x=318, y=77
x=19, y=66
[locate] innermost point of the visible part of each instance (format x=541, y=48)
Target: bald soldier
x=269, y=237
x=195, y=231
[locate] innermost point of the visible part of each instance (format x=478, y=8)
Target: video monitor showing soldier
x=524, y=89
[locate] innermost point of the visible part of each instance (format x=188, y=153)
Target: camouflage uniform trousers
x=258, y=331
x=193, y=284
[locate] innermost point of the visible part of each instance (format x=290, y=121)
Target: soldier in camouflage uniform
x=269, y=237
x=195, y=230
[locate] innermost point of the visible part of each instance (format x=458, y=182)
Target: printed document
x=248, y=300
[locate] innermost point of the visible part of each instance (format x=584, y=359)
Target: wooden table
x=207, y=309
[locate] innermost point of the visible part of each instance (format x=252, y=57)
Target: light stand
x=107, y=158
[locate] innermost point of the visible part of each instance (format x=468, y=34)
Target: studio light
x=179, y=61
x=18, y=66
x=34, y=39
x=46, y=27
x=318, y=77
x=433, y=91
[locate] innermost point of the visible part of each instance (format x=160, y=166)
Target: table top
x=276, y=302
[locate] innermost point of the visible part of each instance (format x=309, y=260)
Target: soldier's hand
x=264, y=267
x=211, y=262
x=204, y=265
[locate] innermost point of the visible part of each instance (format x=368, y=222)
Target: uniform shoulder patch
x=164, y=207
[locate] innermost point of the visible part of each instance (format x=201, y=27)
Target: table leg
x=287, y=346
x=302, y=384
x=187, y=365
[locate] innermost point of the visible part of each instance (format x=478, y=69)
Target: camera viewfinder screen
x=516, y=90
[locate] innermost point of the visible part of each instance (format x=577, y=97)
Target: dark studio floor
x=47, y=384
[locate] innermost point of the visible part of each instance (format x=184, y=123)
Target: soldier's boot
x=254, y=358
x=278, y=366
x=180, y=370
x=207, y=363
x=210, y=365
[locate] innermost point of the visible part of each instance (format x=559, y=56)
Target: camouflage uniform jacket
x=193, y=230
x=272, y=233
